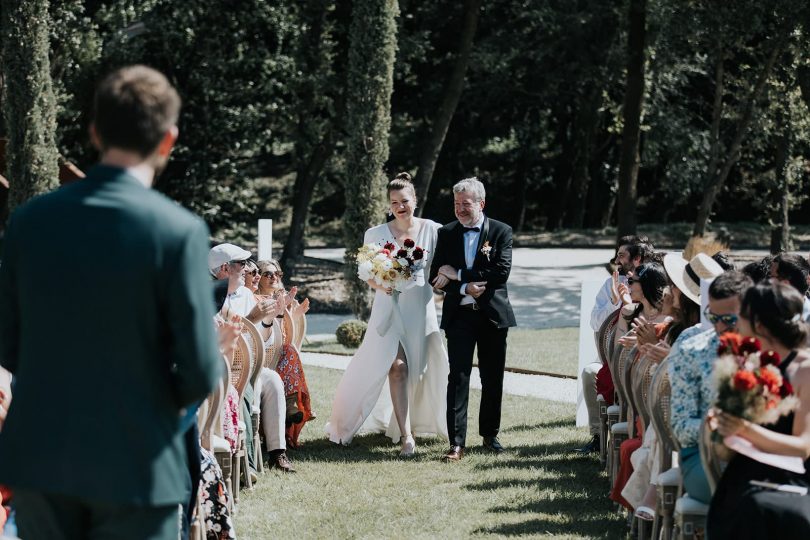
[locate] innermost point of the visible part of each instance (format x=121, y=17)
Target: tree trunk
x=370, y=84
x=780, y=226
x=306, y=178
x=716, y=178
x=315, y=136
x=30, y=105
x=586, y=118
x=631, y=112
x=447, y=108
x=561, y=177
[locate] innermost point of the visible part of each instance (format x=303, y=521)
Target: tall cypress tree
x=372, y=51
x=29, y=104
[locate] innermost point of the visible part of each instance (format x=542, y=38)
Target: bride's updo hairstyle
x=777, y=307
x=402, y=182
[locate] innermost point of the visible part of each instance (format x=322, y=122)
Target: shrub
x=350, y=333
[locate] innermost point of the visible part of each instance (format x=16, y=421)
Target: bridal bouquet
x=748, y=381
x=389, y=266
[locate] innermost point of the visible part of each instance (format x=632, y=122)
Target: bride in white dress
x=402, y=345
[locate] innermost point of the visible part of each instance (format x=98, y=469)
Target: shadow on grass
x=562, y=422
x=371, y=448
x=567, y=496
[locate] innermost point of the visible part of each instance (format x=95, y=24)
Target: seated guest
x=631, y=251
x=683, y=311
x=289, y=367
x=227, y=261
x=759, y=270
x=794, y=270
x=646, y=289
x=740, y=510
x=690, y=368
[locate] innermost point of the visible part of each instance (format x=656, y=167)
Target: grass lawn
x=536, y=488
x=553, y=350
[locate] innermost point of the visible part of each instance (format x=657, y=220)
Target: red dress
x=291, y=372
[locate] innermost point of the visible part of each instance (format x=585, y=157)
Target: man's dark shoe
x=493, y=444
x=591, y=447
x=454, y=454
x=280, y=461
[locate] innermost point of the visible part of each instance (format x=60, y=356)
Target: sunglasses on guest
x=268, y=274
x=237, y=263
x=729, y=319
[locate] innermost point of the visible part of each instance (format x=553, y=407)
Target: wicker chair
x=272, y=352
x=300, y=322
x=256, y=344
x=241, y=367
x=712, y=457
x=603, y=337
x=669, y=481
x=220, y=446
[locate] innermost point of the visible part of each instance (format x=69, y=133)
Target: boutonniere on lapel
x=486, y=249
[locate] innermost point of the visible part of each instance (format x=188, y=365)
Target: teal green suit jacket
x=106, y=323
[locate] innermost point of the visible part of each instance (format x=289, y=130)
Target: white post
x=265, y=239
x=587, y=343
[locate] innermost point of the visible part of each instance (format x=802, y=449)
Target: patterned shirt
x=690, y=369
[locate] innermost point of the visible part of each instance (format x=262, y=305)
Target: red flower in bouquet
x=402, y=253
x=744, y=380
x=749, y=385
x=418, y=254
x=389, y=246
x=729, y=344
x=750, y=345
x=408, y=243
x=770, y=380
x=770, y=358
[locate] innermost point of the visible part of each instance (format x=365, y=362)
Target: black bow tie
x=471, y=229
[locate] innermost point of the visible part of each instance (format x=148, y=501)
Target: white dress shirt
x=470, y=247
x=604, y=306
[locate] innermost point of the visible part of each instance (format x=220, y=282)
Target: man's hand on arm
x=449, y=272
x=476, y=288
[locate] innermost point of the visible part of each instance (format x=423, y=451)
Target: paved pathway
x=539, y=386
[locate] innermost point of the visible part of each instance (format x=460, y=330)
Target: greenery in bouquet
x=748, y=381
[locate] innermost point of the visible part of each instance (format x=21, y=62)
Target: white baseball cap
x=225, y=253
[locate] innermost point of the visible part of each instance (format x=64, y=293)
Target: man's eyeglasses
x=270, y=274
x=729, y=319
x=239, y=263
x=630, y=281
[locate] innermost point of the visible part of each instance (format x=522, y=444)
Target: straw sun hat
x=687, y=275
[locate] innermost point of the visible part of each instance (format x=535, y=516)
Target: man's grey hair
x=471, y=185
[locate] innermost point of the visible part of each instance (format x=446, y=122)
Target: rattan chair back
x=712, y=462
x=630, y=369
x=300, y=330
x=241, y=365
x=288, y=326
x=256, y=344
x=272, y=351
x=604, y=336
x=645, y=368
x=660, y=408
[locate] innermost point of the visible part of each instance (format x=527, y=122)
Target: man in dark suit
x=472, y=263
x=111, y=342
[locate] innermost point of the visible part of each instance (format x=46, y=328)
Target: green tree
x=372, y=50
x=29, y=104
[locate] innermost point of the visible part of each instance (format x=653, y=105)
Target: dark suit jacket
x=105, y=321
x=495, y=270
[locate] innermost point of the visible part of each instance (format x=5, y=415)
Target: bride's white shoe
x=408, y=446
